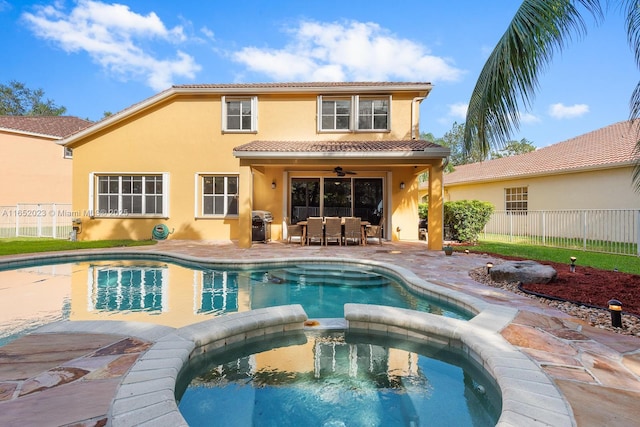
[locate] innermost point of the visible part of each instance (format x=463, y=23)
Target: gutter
x=541, y=174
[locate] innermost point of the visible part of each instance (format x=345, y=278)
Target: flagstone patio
x=71, y=378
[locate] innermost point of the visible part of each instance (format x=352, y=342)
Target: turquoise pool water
x=177, y=294
x=337, y=380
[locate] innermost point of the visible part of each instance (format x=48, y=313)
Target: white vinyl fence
x=36, y=220
x=600, y=230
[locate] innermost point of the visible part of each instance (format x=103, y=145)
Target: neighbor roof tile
x=609, y=146
x=53, y=126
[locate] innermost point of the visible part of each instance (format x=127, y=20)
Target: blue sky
x=95, y=56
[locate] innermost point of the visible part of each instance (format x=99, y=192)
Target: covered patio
x=373, y=180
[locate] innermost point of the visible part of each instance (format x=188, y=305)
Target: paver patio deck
x=71, y=378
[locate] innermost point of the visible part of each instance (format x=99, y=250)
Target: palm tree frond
x=509, y=78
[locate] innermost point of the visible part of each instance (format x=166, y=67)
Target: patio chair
x=375, y=231
x=293, y=230
x=314, y=229
x=333, y=230
x=352, y=230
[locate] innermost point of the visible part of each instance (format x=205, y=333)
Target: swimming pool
x=175, y=293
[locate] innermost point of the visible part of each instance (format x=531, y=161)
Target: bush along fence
x=52, y=220
x=614, y=231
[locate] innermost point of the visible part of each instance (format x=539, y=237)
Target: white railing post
x=54, y=222
x=638, y=232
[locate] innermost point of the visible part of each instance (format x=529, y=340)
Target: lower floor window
x=219, y=195
x=516, y=199
x=122, y=195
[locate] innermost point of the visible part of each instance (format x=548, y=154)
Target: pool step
x=328, y=277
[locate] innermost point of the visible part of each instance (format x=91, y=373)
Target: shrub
x=466, y=218
x=423, y=210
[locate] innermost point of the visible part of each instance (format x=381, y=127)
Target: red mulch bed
x=591, y=286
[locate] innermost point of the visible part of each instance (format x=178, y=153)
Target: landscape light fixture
x=572, y=267
x=466, y=251
x=615, y=307
x=489, y=267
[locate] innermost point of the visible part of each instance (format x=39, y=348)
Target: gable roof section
x=415, y=148
x=54, y=127
x=422, y=89
x=611, y=146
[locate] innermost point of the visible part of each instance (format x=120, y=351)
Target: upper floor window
x=336, y=114
x=516, y=199
x=354, y=114
x=124, y=195
x=239, y=114
x=68, y=153
x=373, y=114
x=219, y=195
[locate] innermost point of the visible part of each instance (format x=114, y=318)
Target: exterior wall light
x=572, y=267
x=273, y=185
x=402, y=185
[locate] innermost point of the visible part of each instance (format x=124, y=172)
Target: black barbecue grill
x=261, y=226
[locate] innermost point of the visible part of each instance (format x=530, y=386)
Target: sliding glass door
x=368, y=199
x=305, y=198
x=361, y=197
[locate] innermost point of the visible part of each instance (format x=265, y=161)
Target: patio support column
x=436, y=205
x=245, y=204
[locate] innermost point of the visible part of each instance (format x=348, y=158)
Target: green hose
x=160, y=232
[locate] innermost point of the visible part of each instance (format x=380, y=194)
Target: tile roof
x=610, y=146
x=305, y=85
x=56, y=127
x=336, y=146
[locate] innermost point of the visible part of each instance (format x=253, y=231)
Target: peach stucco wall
x=182, y=136
x=33, y=170
x=601, y=189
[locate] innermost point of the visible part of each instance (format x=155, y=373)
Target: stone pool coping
x=146, y=394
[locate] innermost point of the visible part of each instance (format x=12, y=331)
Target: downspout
x=413, y=114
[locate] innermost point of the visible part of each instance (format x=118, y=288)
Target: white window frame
x=254, y=114
x=118, y=212
x=67, y=153
x=354, y=115
x=516, y=199
x=200, y=196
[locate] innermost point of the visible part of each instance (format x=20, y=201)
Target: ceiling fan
x=341, y=172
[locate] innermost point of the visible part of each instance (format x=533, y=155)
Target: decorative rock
x=523, y=272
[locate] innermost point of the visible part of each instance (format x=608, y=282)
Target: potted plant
x=448, y=250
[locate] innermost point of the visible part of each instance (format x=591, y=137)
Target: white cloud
x=112, y=35
x=208, y=33
x=561, y=111
x=347, y=51
x=529, y=118
x=458, y=110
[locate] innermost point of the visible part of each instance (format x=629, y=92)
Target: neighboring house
x=200, y=158
x=33, y=168
x=591, y=171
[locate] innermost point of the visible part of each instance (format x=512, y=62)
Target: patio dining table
x=363, y=230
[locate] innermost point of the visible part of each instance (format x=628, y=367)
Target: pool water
x=177, y=295
x=337, y=379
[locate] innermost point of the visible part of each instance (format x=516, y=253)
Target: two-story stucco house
x=33, y=168
x=200, y=158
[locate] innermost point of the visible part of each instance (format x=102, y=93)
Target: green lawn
x=624, y=263
x=13, y=246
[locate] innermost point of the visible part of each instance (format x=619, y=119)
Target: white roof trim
x=24, y=132
x=564, y=171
